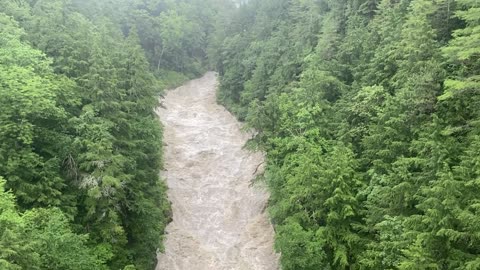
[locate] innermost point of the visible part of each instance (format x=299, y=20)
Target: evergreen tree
x=372, y=80
x=30, y=119
x=78, y=99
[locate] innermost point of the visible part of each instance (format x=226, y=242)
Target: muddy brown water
x=219, y=220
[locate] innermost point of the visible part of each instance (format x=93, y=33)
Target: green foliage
x=29, y=120
x=42, y=239
x=368, y=111
x=79, y=140
x=315, y=189
x=15, y=249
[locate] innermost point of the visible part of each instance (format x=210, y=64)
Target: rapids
x=219, y=220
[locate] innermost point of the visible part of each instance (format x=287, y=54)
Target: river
x=219, y=220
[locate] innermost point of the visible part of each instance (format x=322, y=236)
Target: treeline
x=80, y=146
x=369, y=112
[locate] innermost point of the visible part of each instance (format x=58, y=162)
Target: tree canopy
x=368, y=112
x=80, y=144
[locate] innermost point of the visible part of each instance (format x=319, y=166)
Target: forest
x=80, y=144
x=367, y=110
